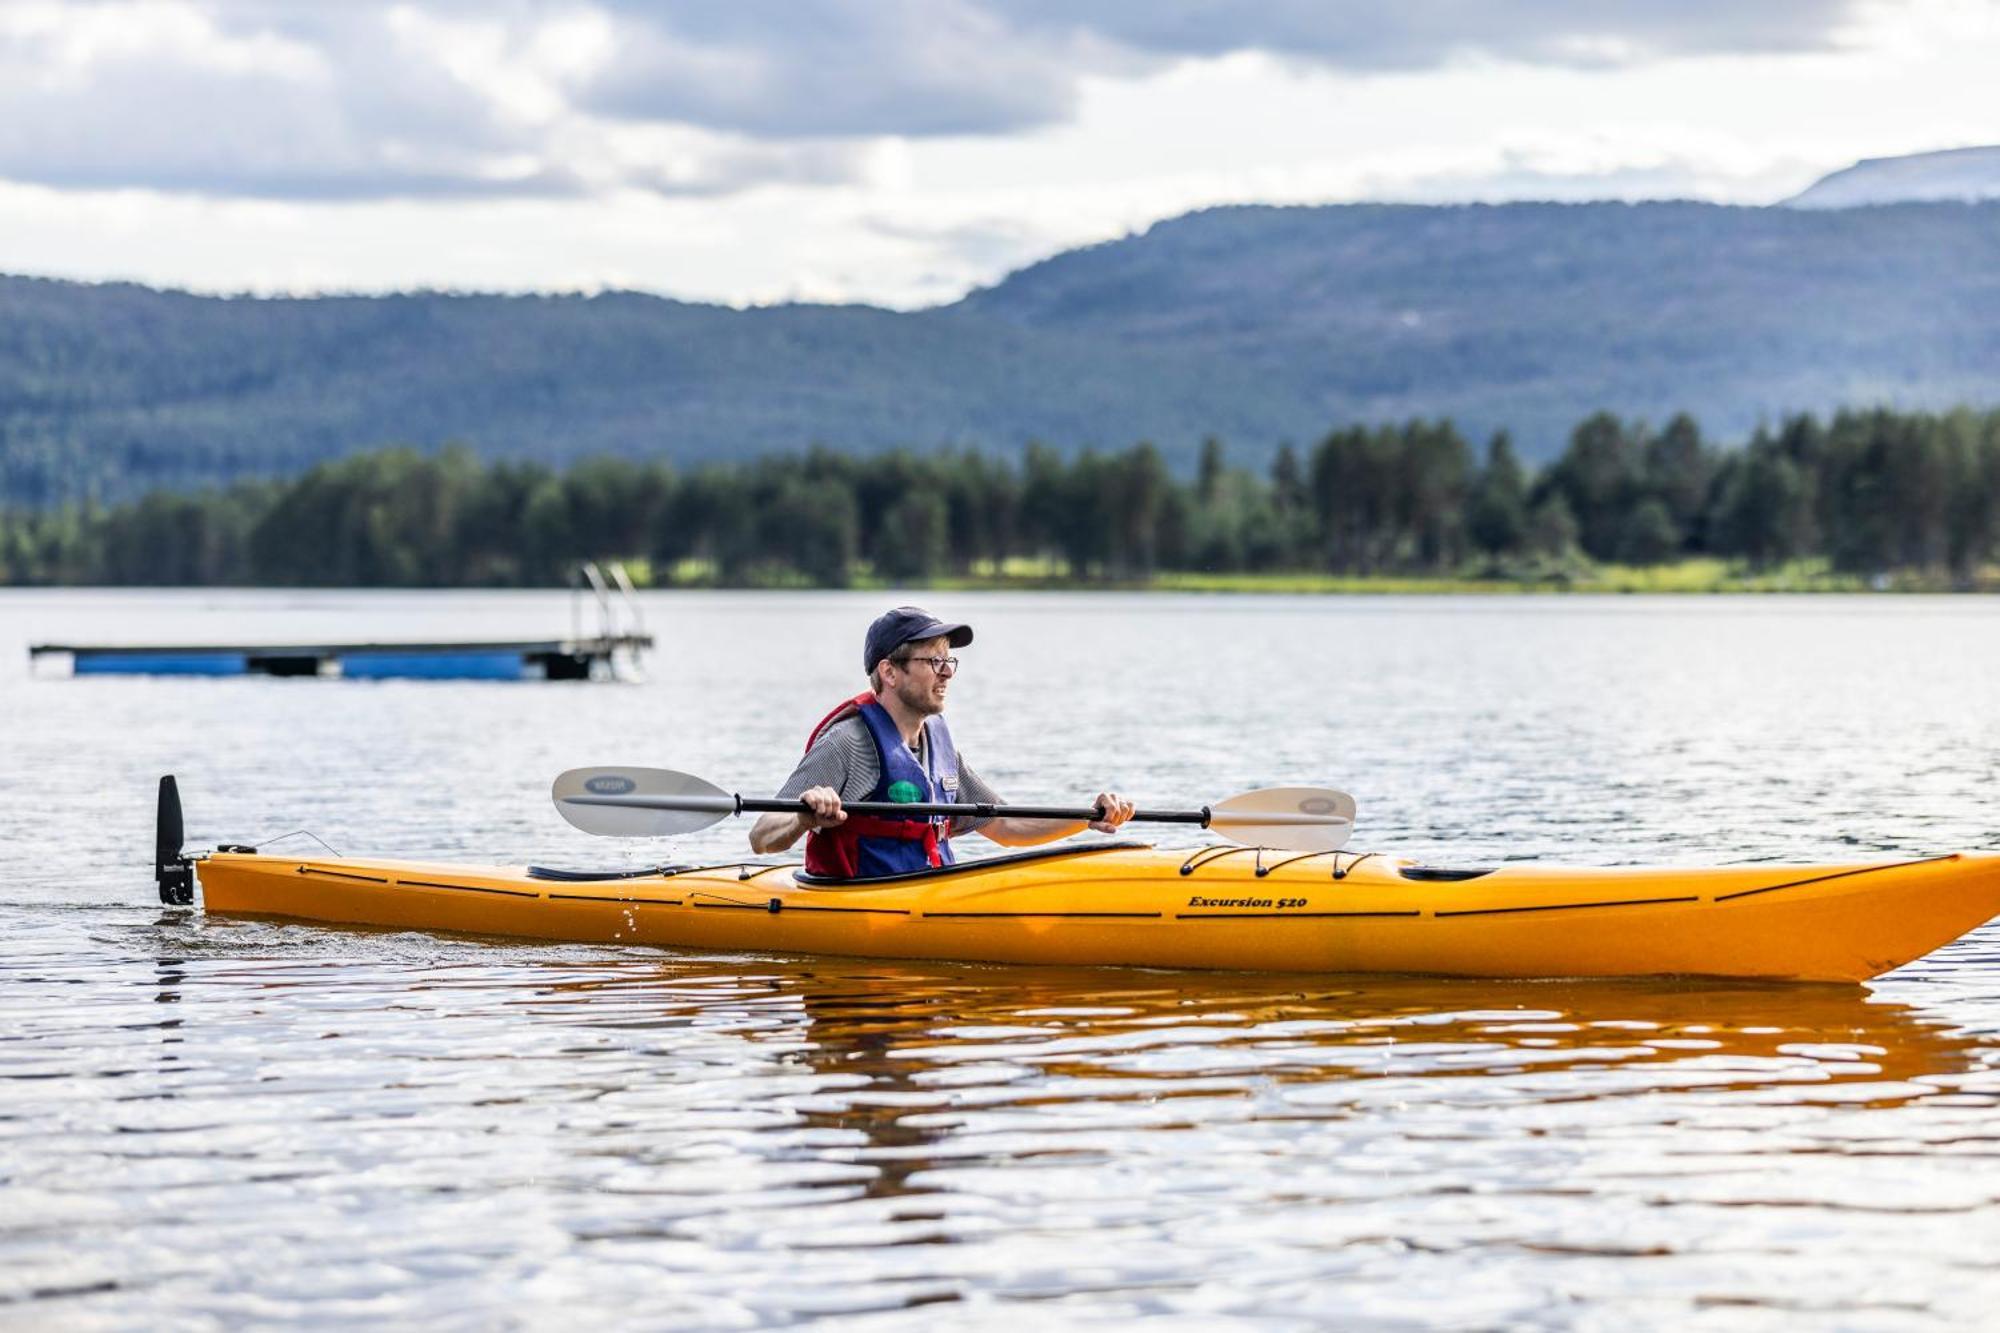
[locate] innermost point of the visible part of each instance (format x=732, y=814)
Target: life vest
x=868, y=846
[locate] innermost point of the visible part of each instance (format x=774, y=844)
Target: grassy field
x=1688, y=576
x=1684, y=577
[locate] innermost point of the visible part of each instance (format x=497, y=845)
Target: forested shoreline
x=1867, y=493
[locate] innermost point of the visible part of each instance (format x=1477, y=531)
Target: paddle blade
x=639, y=802
x=1300, y=819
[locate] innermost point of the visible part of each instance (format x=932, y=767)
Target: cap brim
x=956, y=635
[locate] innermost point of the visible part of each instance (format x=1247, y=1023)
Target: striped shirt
x=843, y=758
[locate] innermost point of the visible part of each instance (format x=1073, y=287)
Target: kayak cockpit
x=1422, y=874
x=963, y=867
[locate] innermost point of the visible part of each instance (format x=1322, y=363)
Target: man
x=890, y=743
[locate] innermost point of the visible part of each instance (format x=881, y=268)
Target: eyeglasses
x=944, y=666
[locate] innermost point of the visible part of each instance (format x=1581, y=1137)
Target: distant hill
x=1254, y=324
x=108, y=390
x=1528, y=316
x=1961, y=174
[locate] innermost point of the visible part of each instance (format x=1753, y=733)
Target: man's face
x=918, y=684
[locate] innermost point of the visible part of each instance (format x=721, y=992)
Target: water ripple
x=209, y=1122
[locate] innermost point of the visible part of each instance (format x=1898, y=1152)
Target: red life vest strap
x=836, y=852
x=846, y=708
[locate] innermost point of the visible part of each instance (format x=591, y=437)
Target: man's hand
x=826, y=811
x=776, y=832
x=1116, y=811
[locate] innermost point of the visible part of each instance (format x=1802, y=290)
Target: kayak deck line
x=1567, y=907
x=1288, y=916
x=777, y=905
x=1128, y=905
x=468, y=888
x=1066, y=916
x=1864, y=870
x=342, y=874
x=601, y=898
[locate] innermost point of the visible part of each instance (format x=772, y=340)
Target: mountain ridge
x=1252, y=323
x=1964, y=175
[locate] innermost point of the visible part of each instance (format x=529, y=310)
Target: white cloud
x=1426, y=34
x=362, y=101
x=891, y=150
x=165, y=94
x=374, y=99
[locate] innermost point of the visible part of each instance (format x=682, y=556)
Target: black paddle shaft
x=970, y=810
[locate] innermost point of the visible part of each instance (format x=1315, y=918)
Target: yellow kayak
x=1217, y=907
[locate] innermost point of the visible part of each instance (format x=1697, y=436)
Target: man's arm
x=1009, y=831
x=842, y=757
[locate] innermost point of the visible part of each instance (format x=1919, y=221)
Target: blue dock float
x=528, y=659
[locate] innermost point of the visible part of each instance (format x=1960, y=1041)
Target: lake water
x=209, y=1122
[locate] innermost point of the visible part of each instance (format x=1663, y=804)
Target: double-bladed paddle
x=658, y=802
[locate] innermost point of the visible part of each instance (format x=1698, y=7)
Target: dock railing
x=604, y=579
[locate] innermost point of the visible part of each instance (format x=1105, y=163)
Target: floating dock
x=527, y=659
x=610, y=654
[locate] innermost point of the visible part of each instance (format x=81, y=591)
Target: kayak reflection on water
x=923, y=1071
x=890, y=743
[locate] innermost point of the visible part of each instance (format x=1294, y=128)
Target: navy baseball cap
x=907, y=624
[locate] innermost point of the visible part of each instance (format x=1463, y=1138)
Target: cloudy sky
x=895, y=151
